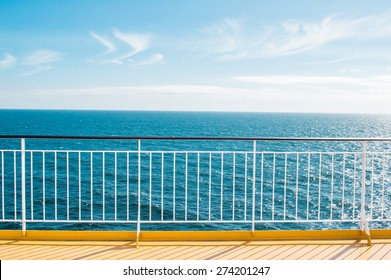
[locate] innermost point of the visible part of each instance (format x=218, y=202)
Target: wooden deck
x=200, y=250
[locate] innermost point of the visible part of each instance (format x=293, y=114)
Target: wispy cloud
x=370, y=86
x=105, y=42
x=309, y=94
x=8, y=61
x=233, y=39
x=135, y=43
x=154, y=59
x=297, y=80
x=41, y=60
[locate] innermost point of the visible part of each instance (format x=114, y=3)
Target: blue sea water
x=214, y=124
x=47, y=122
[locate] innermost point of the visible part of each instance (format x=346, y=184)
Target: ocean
x=188, y=124
x=48, y=122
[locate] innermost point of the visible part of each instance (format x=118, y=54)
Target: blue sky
x=262, y=56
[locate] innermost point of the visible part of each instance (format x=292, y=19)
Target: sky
x=249, y=55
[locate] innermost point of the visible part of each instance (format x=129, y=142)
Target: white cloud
x=155, y=58
x=376, y=87
x=8, y=61
x=43, y=57
x=41, y=60
x=135, y=43
x=234, y=40
x=298, y=80
x=367, y=97
x=110, y=47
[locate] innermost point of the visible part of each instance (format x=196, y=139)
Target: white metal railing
x=178, y=186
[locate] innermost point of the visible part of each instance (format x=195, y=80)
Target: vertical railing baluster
x=23, y=183
x=364, y=222
x=382, y=191
x=320, y=183
x=233, y=186
x=174, y=188
x=67, y=180
x=221, y=186
x=210, y=187
x=372, y=185
x=43, y=186
x=162, y=189
x=254, y=177
x=127, y=186
x=198, y=186
x=332, y=187
x=273, y=183
x=262, y=183
x=115, y=186
x=245, y=186
x=297, y=185
x=104, y=187
x=138, y=192
x=308, y=185
x=285, y=171
x=55, y=186
x=186, y=182
x=15, y=189
x=31, y=186
x=343, y=186
x=2, y=185
x=92, y=185
x=150, y=186
x=354, y=185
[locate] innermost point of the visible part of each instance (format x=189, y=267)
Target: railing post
x=364, y=222
x=23, y=183
x=138, y=192
x=254, y=177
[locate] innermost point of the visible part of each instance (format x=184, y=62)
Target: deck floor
x=224, y=250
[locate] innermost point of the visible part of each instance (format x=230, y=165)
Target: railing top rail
x=188, y=138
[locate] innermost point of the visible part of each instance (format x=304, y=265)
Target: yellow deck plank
x=387, y=256
x=230, y=252
x=240, y=252
x=314, y=250
x=131, y=252
x=226, y=253
x=381, y=252
x=324, y=252
x=20, y=251
x=73, y=254
x=281, y=252
x=113, y=252
x=173, y=250
x=102, y=253
x=349, y=250
x=301, y=252
x=158, y=253
x=381, y=249
x=135, y=254
x=43, y=252
x=181, y=253
x=249, y=252
x=59, y=252
x=264, y=252
x=370, y=252
x=292, y=250
x=202, y=254
x=153, y=253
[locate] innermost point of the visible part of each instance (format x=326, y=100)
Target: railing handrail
x=193, y=138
